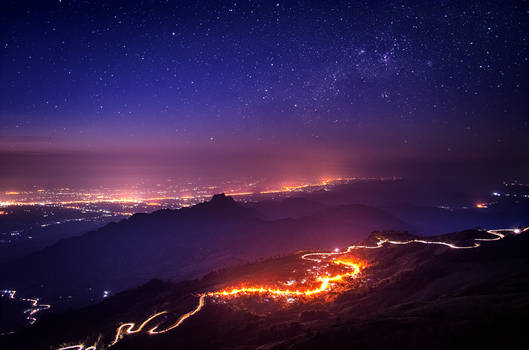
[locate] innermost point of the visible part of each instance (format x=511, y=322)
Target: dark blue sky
x=347, y=79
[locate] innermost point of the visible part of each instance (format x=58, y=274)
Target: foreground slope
x=408, y=296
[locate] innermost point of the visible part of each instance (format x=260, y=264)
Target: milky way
x=417, y=77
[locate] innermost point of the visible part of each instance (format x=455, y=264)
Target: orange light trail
x=128, y=328
x=201, y=303
x=325, y=284
x=78, y=347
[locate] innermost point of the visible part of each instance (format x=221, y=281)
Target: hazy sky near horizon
x=258, y=87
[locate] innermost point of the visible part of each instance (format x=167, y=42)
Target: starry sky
x=345, y=86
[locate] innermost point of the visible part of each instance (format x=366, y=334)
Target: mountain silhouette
x=180, y=244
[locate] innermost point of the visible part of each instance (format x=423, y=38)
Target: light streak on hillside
x=324, y=284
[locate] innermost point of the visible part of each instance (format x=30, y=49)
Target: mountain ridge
x=417, y=296
x=179, y=244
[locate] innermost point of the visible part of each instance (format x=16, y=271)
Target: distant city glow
x=53, y=197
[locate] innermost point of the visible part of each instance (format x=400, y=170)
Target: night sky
x=290, y=86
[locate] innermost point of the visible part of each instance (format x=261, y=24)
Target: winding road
x=326, y=283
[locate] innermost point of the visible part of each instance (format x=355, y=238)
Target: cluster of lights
x=200, y=193
x=9, y=293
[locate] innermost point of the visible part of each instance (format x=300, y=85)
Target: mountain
x=431, y=209
x=27, y=229
x=409, y=296
x=177, y=245
x=433, y=220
